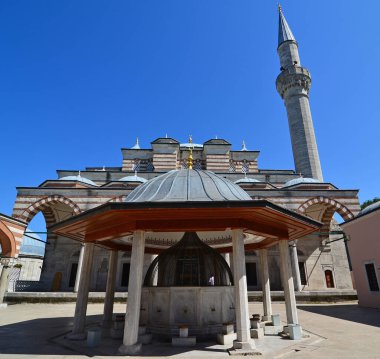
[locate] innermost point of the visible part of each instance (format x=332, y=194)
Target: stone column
x=79, y=270
x=130, y=345
x=4, y=280
x=265, y=283
x=295, y=267
x=243, y=325
x=82, y=297
x=287, y=282
x=110, y=289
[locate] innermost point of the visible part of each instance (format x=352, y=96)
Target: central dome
x=188, y=185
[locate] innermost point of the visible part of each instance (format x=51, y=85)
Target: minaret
x=293, y=85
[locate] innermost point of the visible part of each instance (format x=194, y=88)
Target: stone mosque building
x=207, y=198
x=318, y=264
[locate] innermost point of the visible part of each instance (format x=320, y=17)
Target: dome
x=78, y=178
x=32, y=246
x=134, y=178
x=246, y=180
x=370, y=208
x=188, y=185
x=300, y=180
x=190, y=262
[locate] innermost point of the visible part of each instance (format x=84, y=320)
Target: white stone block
x=273, y=329
x=93, y=337
x=257, y=333
x=184, y=342
x=276, y=319
x=295, y=331
x=184, y=332
x=225, y=339
x=227, y=328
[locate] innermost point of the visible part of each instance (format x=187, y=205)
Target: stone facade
x=58, y=199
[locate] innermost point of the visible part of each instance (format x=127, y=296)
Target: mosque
x=197, y=224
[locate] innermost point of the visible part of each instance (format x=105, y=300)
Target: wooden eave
x=115, y=220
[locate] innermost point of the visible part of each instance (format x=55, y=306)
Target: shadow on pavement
x=46, y=336
x=351, y=312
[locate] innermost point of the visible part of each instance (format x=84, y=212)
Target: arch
x=43, y=205
x=344, y=212
x=7, y=241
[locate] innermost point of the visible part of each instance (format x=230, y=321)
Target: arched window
x=329, y=279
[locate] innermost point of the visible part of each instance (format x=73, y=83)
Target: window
x=188, y=272
x=329, y=279
x=301, y=266
x=251, y=273
x=372, y=278
x=125, y=274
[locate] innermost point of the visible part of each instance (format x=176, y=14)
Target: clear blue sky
x=81, y=79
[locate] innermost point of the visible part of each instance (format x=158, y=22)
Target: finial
x=279, y=7
x=79, y=174
x=104, y=168
x=216, y=137
x=166, y=135
x=135, y=173
x=243, y=148
x=190, y=160
x=137, y=145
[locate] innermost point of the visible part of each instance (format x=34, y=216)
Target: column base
x=3, y=305
x=249, y=345
x=130, y=349
x=243, y=348
x=266, y=318
x=76, y=336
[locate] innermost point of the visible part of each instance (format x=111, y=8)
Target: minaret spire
x=284, y=32
x=293, y=85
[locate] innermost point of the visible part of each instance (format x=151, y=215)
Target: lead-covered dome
x=188, y=185
x=190, y=262
x=300, y=180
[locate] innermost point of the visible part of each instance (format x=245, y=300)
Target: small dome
x=32, y=246
x=246, y=180
x=78, y=178
x=190, y=262
x=370, y=208
x=134, y=178
x=300, y=180
x=188, y=185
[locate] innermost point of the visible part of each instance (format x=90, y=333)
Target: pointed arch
x=333, y=205
x=44, y=205
x=7, y=241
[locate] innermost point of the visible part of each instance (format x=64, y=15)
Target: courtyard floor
x=332, y=331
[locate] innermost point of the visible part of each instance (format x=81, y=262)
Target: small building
x=364, y=248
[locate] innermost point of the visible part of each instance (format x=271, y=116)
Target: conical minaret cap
x=284, y=32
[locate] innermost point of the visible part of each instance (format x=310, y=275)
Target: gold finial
x=279, y=7
x=190, y=160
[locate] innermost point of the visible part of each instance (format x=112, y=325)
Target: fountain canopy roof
x=188, y=185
